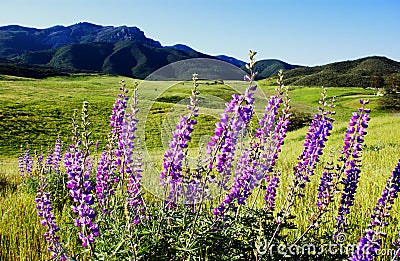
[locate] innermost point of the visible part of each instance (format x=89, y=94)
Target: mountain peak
x=16, y=40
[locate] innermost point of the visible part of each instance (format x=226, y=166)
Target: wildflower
x=313, y=144
x=222, y=146
x=78, y=169
x=44, y=210
x=270, y=192
x=104, y=180
x=272, y=133
x=56, y=157
x=371, y=242
x=326, y=187
x=133, y=164
x=171, y=175
x=25, y=163
x=251, y=168
x=351, y=161
x=48, y=161
x=239, y=191
x=117, y=122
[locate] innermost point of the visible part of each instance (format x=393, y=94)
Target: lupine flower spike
x=46, y=215
x=111, y=168
x=351, y=160
x=222, y=146
x=171, y=176
x=314, y=143
x=56, y=157
x=133, y=164
x=78, y=168
x=252, y=168
x=371, y=242
x=25, y=163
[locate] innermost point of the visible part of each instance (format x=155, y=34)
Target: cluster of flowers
x=121, y=164
x=115, y=162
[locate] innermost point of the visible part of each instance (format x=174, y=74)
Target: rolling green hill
x=270, y=67
x=345, y=74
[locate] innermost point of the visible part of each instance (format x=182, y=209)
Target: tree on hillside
x=391, y=99
x=377, y=81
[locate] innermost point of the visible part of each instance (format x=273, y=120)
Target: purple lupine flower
x=268, y=120
x=171, y=176
x=104, y=180
x=27, y=164
x=325, y=188
x=239, y=191
x=48, y=161
x=118, y=111
x=78, y=169
x=251, y=168
x=56, y=157
x=314, y=143
x=367, y=248
x=117, y=122
x=134, y=199
x=172, y=166
x=44, y=211
x=222, y=146
x=270, y=192
x=271, y=138
x=133, y=164
x=351, y=154
x=371, y=242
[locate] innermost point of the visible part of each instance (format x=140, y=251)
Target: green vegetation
x=270, y=67
x=359, y=72
x=37, y=111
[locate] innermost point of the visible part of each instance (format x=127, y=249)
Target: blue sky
x=306, y=32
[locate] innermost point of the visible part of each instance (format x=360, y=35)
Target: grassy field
x=37, y=111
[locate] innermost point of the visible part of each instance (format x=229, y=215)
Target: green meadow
x=35, y=112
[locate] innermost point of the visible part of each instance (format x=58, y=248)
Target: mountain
x=270, y=67
x=181, y=47
x=231, y=60
x=88, y=47
x=125, y=58
x=122, y=50
x=347, y=73
x=16, y=40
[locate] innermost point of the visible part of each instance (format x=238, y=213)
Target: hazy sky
x=306, y=32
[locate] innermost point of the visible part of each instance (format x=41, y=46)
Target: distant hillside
x=30, y=71
x=16, y=40
x=270, y=67
x=122, y=58
x=231, y=60
x=346, y=74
